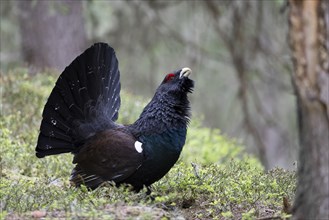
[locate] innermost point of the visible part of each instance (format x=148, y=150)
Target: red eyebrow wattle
x=170, y=76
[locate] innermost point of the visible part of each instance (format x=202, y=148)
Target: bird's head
x=169, y=108
x=177, y=83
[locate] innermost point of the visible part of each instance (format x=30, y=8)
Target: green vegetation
x=214, y=179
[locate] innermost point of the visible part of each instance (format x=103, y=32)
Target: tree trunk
x=309, y=45
x=52, y=32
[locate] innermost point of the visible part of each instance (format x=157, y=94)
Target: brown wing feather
x=108, y=156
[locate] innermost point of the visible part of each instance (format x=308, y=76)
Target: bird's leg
x=148, y=193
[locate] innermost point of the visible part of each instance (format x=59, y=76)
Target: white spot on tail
x=53, y=121
x=138, y=147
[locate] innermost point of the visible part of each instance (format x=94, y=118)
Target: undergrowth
x=214, y=178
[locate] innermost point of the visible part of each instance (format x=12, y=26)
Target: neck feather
x=162, y=114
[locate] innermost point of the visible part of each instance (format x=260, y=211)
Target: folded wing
x=111, y=155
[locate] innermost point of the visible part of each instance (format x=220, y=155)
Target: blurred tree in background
x=52, y=32
x=238, y=52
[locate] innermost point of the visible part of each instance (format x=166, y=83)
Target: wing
x=111, y=155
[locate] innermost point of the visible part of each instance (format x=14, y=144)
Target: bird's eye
x=169, y=77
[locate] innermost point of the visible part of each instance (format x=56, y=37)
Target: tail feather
x=51, y=146
x=52, y=131
x=61, y=120
x=85, y=99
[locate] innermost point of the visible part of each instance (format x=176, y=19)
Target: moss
x=214, y=179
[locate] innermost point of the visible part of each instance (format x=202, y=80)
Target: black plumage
x=80, y=114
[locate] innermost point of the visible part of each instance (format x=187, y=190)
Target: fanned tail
x=85, y=99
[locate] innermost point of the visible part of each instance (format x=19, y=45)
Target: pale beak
x=185, y=72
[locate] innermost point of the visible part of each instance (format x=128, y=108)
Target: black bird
x=80, y=114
